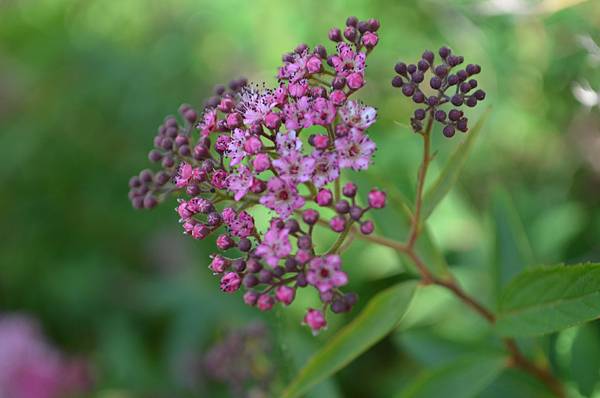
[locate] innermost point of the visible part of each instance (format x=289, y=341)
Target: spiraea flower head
x=249, y=147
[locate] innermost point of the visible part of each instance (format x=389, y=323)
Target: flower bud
x=324, y=197
x=377, y=199
x=285, y=294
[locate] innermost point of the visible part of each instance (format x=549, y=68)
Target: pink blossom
x=347, y=61
x=357, y=115
x=234, y=120
x=230, y=282
x=222, y=143
x=186, y=174
x=325, y=273
x=235, y=149
x=326, y=168
x=240, y=182
x=298, y=115
x=219, y=179
x=275, y=245
x=323, y=112
x=294, y=167
x=314, y=64
x=241, y=225
x=288, y=144
x=209, y=122
x=298, y=89
x=285, y=294
x=256, y=104
x=315, y=320
x=282, y=197
x=355, y=150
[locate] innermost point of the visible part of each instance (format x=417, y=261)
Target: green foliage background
x=84, y=84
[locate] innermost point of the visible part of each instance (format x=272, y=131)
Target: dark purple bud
x=454, y=115
x=411, y=68
x=155, y=156
x=351, y=21
x=440, y=115
x=253, y=265
x=166, y=143
x=432, y=100
x=291, y=264
x=363, y=26
x=350, y=298
x=192, y=190
x=408, y=90
x=304, y=242
x=170, y=121
x=423, y=65
x=301, y=280
x=219, y=89
x=300, y=48
x=335, y=35
x=417, y=76
x=292, y=225
x=471, y=101
x=420, y=114
x=338, y=306
x=339, y=83
x=479, y=94
x=400, y=68
x=448, y=131
x=342, y=206
x=465, y=87
x=457, y=100
x=162, y=177
x=473, y=69
x=250, y=280
x=185, y=150
x=244, y=245
x=321, y=51
x=150, y=201
x=428, y=56
x=137, y=202
x=356, y=213
x=278, y=271
x=367, y=227
x=349, y=190
x=435, y=82
x=444, y=52
x=397, y=81
x=134, y=182
x=441, y=71
x=190, y=115
x=265, y=276
x=146, y=176
x=201, y=152
x=310, y=216
x=419, y=97
x=461, y=125
x=473, y=83
x=452, y=60
x=374, y=25
x=213, y=219
x=238, y=265
x=350, y=33
x=462, y=75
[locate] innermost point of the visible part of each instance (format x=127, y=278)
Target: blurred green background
x=84, y=84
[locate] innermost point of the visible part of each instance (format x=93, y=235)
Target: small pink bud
x=303, y=256
x=250, y=298
x=377, y=199
x=324, y=197
x=337, y=223
x=252, y=145
x=314, y=64
x=200, y=231
x=370, y=39
x=315, y=320
x=230, y=282
x=218, y=264
x=367, y=227
x=355, y=80
x=265, y=302
x=272, y=121
x=234, y=120
x=226, y=105
x=224, y=242
x=338, y=97
x=321, y=141
x=285, y=294
x=261, y=162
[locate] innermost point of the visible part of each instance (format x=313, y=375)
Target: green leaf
x=380, y=316
x=512, y=250
x=546, y=299
x=463, y=378
x=451, y=172
x=585, y=359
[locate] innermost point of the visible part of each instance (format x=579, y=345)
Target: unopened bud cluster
x=431, y=84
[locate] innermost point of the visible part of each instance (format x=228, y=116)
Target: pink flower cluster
x=282, y=148
x=31, y=368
